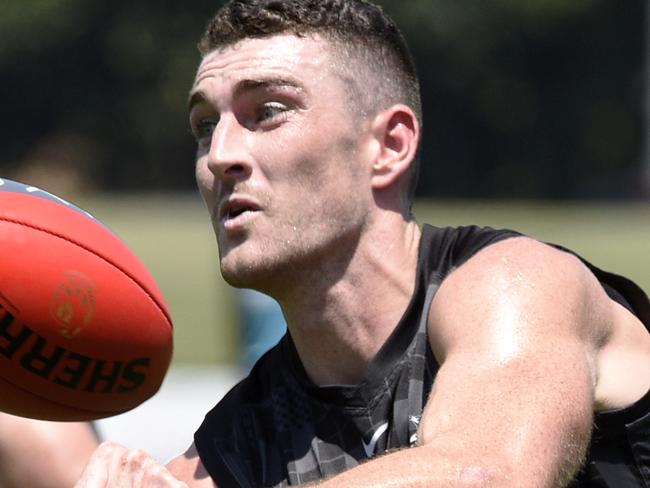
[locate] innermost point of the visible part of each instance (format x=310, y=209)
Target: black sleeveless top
x=277, y=428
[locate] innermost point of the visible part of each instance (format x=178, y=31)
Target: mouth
x=237, y=207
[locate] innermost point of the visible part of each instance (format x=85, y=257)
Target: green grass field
x=172, y=235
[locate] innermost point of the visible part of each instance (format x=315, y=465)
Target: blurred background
x=536, y=118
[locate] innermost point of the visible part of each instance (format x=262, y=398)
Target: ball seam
x=160, y=308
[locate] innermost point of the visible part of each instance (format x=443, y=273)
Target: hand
x=114, y=466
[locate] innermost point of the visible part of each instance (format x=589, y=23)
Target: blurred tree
x=522, y=99
x=529, y=99
x=113, y=76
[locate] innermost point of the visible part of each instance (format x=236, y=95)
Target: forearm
x=424, y=466
x=448, y=463
x=41, y=454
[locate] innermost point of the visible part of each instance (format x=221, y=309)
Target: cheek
x=308, y=165
x=313, y=159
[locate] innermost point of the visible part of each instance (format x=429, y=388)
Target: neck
x=341, y=311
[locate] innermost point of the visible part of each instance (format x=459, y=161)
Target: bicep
x=516, y=331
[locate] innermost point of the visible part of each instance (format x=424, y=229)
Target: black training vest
x=276, y=428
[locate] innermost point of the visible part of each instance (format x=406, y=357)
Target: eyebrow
x=198, y=96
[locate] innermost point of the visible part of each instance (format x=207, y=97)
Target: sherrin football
x=85, y=332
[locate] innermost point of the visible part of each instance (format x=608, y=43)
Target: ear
x=397, y=133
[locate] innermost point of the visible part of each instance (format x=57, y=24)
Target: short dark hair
x=383, y=69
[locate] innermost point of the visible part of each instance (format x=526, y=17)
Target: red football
x=85, y=332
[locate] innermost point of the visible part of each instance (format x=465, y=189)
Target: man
x=433, y=357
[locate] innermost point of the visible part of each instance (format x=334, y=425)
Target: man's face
x=281, y=163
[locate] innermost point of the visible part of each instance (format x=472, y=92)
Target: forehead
x=303, y=61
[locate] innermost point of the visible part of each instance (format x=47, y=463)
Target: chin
x=255, y=264
x=247, y=274
x=236, y=278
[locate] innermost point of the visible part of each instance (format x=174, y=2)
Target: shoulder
x=227, y=420
x=226, y=429
x=511, y=257
x=252, y=393
x=229, y=439
x=444, y=249
x=519, y=285
x=524, y=266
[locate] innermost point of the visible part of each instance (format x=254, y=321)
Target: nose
x=229, y=158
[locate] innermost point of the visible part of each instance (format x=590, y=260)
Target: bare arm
x=516, y=330
x=42, y=454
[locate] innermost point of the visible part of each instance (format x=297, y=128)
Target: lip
x=235, y=203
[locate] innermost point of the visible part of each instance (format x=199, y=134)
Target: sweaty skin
x=285, y=149
x=308, y=206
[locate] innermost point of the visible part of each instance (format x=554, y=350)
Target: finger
x=97, y=471
x=114, y=466
x=93, y=476
x=159, y=477
x=135, y=465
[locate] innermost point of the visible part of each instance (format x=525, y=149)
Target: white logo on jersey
x=416, y=421
x=370, y=447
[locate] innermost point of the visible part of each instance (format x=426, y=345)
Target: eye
x=271, y=112
x=204, y=128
